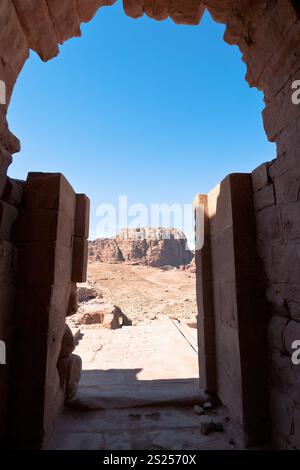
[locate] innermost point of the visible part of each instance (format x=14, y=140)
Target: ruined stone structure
x=262, y=264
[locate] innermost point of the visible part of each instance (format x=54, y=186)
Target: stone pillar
x=205, y=316
x=237, y=313
x=50, y=251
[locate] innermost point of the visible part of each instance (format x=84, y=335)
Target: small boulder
x=198, y=410
x=86, y=292
x=209, y=424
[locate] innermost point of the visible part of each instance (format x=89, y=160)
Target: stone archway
x=267, y=34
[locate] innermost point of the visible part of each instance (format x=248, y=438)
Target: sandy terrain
x=144, y=292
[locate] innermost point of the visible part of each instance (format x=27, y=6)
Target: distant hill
x=147, y=246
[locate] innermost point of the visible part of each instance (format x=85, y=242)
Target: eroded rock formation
x=151, y=247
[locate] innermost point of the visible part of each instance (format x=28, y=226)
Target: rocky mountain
x=147, y=246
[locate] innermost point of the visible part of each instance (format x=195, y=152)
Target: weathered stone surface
x=260, y=177
x=88, y=8
x=44, y=225
x=107, y=315
x=8, y=215
x=37, y=25
x=276, y=332
x=181, y=12
x=8, y=263
x=86, y=292
x=73, y=300
x=291, y=334
x=265, y=197
x=68, y=343
x=65, y=19
x=70, y=371
x=44, y=264
x=50, y=191
x=13, y=192
x=268, y=223
x=152, y=247
x=80, y=259
x=82, y=216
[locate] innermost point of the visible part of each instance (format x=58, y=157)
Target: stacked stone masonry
x=268, y=34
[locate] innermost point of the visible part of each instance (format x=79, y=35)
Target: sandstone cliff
x=151, y=247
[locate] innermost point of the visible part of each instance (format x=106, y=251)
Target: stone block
x=40, y=225
x=225, y=303
x=285, y=299
x=282, y=374
x=281, y=412
x=8, y=215
x=44, y=264
x=82, y=217
x=207, y=372
x=242, y=200
x=260, y=177
x=8, y=263
x=73, y=300
x=285, y=262
x=80, y=259
x=252, y=307
x=228, y=366
x=13, y=192
x=223, y=267
x=204, y=298
x=290, y=220
x=68, y=343
x=231, y=203
x=7, y=301
x=245, y=252
x=276, y=330
x=50, y=191
x=207, y=335
x=70, y=372
x=287, y=186
x=268, y=223
x=280, y=112
x=291, y=333
x=219, y=207
x=203, y=260
x=294, y=310
x=42, y=309
x=297, y=427
x=265, y=197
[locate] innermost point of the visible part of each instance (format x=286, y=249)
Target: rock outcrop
x=149, y=246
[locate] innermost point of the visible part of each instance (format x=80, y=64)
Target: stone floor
x=138, y=389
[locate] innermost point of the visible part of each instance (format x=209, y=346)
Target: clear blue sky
x=151, y=110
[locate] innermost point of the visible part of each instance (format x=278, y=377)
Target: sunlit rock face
x=147, y=246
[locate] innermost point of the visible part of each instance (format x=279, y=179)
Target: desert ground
x=143, y=292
